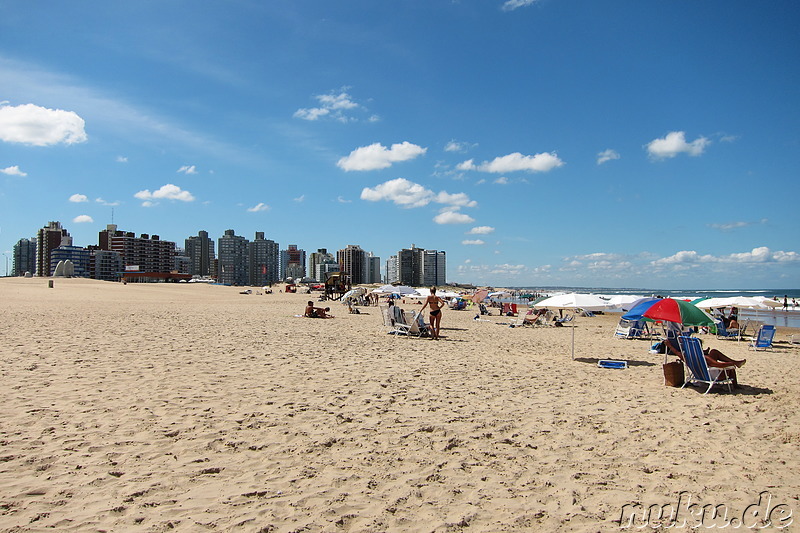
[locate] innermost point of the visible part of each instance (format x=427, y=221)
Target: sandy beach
x=192, y=407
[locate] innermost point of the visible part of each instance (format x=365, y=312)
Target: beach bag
x=673, y=374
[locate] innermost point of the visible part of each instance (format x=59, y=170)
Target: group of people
x=316, y=312
x=435, y=304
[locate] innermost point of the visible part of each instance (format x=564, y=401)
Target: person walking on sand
x=436, y=304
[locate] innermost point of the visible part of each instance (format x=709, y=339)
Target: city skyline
x=539, y=142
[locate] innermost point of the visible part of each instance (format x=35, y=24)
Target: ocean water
x=777, y=316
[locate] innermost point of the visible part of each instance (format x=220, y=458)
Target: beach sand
x=192, y=407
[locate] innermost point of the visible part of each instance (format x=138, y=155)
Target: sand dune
x=193, y=408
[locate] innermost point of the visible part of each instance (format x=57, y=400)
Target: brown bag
x=673, y=374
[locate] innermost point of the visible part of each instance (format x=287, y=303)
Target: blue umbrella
x=639, y=309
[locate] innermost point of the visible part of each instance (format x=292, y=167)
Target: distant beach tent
x=733, y=301
x=499, y=295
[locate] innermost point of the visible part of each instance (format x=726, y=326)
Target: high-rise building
x=144, y=254
x=419, y=267
x=263, y=261
x=293, y=263
x=372, y=268
x=200, y=250
x=434, y=268
x=352, y=260
x=320, y=263
x=24, y=257
x=233, y=259
x=392, y=271
x=48, y=239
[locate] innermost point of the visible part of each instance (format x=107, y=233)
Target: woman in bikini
x=436, y=304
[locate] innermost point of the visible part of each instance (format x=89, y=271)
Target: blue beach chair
x=695, y=361
x=763, y=339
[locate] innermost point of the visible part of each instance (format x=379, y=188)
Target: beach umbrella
x=354, y=293
x=574, y=300
x=623, y=301
x=637, y=311
x=480, y=296
x=679, y=312
x=499, y=295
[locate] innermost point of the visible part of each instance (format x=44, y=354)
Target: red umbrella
x=678, y=311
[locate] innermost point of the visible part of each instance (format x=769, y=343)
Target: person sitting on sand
x=316, y=312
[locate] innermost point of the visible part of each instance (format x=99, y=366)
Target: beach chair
x=698, y=371
x=562, y=321
x=763, y=338
x=413, y=324
x=723, y=333
x=395, y=327
x=526, y=318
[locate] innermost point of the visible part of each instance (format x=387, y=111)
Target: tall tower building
x=320, y=263
x=24, y=257
x=263, y=261
x=434, y=268
x=48, y=239
x=353, y=261
x=200, y=251
x=233, y=259
x=373, y=268
x=293, y=262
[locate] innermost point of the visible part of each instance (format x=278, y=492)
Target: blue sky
x=628, y=143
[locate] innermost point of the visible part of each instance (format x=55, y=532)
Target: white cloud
x=458, y=146
x=728, y=226
x=78, y=198
x=300, y=198
x=481, y=230
x=103, y=202
x=343, y=200
x=259, y=207
x=40, y=126
x=408, y=194
x=333, y=106
x=761, y=254
x=121, y=159
x=188, y=169
x=166, y=192
x=675, y=143
x=606, y=155
x=13, y=171
x=543, y=162
x=82, y=219
x=476, y=242
x=400, y=191
x=511, y=5
x=459, y=199
x=501, y=180
x=453, y=216
x=377, y=156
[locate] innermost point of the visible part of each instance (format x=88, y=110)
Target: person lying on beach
x=714, y=358
x=316, y=312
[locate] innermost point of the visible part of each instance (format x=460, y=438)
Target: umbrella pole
x=573, y=340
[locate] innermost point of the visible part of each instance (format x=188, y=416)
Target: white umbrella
x=574, y=300
x=354, y=293
x=499, y=294
x=624, y=301
x=391, y=289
